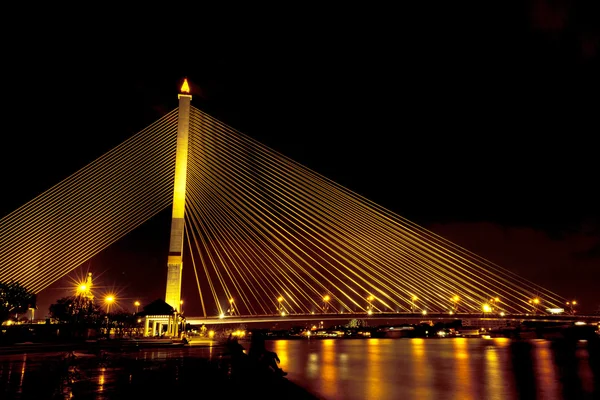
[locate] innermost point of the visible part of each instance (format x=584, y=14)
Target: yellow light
x=451, y=313
x=369, y=312
x=82, y=288
x=139, y=320
x=211, y=334
x=456, y=298
x=137, y=303
x=283, y=313
x=326, y=297
x=574, y=302
x=280, y=299
x=424, y=312
x=497, y=299
x=185, y=87
x=221, y=315
x=502, y=314
x=487, y=308
x=371, y=298
x=109, y=299
x=231, y=301
x=415, y=298
x=536, y=301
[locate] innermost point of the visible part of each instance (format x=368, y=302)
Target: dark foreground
x=190, y=373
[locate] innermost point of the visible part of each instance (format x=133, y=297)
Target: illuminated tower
x=175, y=262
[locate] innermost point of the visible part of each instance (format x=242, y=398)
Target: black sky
x=455, y=118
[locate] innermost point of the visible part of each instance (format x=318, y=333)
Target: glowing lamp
x=185, y=87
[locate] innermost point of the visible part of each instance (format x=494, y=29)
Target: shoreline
x=81, y=369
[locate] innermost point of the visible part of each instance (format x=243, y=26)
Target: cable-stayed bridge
x=263, y=234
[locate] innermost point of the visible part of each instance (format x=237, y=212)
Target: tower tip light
x=185, y=87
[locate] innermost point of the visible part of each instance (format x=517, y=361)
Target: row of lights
x=487, y=308
x=370, y=298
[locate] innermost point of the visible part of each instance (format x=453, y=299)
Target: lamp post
x=487, y=309
x=571, y=305
x=497, y=304
x=231, y=309
x=137, y=306
x=534, y=304
x=412, y=304
x=326, y=299
x=108, y=300
x=370, y=299
x=280, y=308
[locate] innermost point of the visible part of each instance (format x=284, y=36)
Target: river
x=350, y=369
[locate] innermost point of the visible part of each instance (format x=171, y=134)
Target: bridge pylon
x=175, y=258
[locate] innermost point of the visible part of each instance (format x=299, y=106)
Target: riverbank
x=73, y=370
x=89, y=345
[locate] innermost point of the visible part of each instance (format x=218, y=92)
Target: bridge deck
x=389, y=316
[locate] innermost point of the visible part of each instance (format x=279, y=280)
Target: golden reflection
x=494, y=379
x=281, y=348
x=502, y=342
x=421, y=373
x=101, y=379
x=22, y=371
x=312, y=367
x=461, y=369
x=373, y=369
x=546, y=375
x=329, y=369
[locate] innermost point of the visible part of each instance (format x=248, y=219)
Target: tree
x=355, y=323
x=14, y=299
x=74, y=309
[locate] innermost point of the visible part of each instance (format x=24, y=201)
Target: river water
x=348, y=369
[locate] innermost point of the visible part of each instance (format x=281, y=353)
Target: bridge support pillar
x=175, y=259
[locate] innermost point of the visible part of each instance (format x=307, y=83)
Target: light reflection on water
x=456, y=368
x=360, y=369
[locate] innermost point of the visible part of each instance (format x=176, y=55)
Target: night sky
x=478, y=123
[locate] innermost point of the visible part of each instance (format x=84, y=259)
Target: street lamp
x=181, y=306
x=280, y=309
x=108, y=300
x=370, y=305
x=137, y=306
x=326, y=299
x=231, y=309
x=534, y=303
x=412, y=304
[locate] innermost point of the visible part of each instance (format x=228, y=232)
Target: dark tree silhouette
x=14, y=299
x=75, y=309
